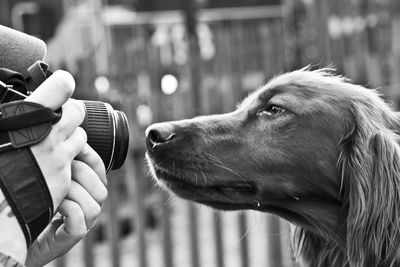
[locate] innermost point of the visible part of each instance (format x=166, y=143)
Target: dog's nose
x=158, y=134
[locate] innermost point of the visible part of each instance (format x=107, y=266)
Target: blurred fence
x=235, y=51
x=360, y=38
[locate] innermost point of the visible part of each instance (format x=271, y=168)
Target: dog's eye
x=271, y=110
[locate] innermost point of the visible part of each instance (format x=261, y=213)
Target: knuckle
x=103, y=193
x=50, y=153
x=63, y=167
x=95, y=211
x=80, y=235
x=79, y=141
x=47, y=146
x=74, y=108
x=79, y=108
x=76, y=210
x=77, y=234
x=83, y=135
x=79, y=218
x=99, y=164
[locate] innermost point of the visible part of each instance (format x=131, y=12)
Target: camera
x=108, y=132
x=107, y=129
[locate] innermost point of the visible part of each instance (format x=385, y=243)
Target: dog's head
x=287, y=149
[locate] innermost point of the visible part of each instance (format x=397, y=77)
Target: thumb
x=54, y=91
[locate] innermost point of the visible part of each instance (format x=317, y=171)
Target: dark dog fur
x=308, y=146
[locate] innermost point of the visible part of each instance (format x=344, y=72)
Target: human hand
x=77, y=212
x=56, y=152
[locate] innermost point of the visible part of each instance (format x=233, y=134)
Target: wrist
x=12, y=241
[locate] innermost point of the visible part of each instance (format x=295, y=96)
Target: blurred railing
x=142, y=226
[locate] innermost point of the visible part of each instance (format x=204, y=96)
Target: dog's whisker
x=256, y=219
x=155, y=187
x=231, y=171
x=220, y=164
x=202, y=173
x=213, y=158
x=170, y=199
x=245, y=233
x=148, y=174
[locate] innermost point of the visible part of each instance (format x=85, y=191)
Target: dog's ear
x=370, y=190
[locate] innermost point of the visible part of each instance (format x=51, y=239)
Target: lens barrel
x=108, y=133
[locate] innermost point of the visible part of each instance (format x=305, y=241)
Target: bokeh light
x=102, y=85
x=144, y=115
x=169, y=84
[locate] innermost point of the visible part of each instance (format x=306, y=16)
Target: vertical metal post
x=244, y=246
x=166, y=208
x=134, y=181
x=395, y=80
x=88, y=250
x=134, y=166
x=190, y=11
x=324, y=45
x=219, y=250
x=167, y=240
x=274, y=253
x=5, y=13
x=113, y=226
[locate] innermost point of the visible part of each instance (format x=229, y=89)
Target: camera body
x=107, y=129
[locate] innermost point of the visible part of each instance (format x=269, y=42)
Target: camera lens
x=108, y=133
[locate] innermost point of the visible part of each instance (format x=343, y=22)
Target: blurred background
x=165, y=60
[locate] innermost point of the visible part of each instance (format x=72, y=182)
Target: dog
x=310, y=147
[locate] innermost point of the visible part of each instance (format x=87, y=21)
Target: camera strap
x=26, y=191
x=23, y=124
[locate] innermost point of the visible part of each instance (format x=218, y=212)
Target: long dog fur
x=342, y=187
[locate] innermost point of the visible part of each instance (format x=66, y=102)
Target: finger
x=89, y=180
x=45, y=248
x=91, y=209
x=89, y=156
x=73, y=114
x=57, y=220
x=52, y=227
x=74, y=221
x=76, y=142
x=55, y=91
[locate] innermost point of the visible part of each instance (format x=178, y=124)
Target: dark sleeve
x=7, y=261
